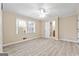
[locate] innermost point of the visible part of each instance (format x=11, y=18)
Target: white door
x=47, y=29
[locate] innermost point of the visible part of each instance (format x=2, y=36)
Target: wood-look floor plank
x=43, y=47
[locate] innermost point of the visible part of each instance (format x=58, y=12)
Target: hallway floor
x=43, y=47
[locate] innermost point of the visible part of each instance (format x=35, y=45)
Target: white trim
x=75, y=41
x=4, y=45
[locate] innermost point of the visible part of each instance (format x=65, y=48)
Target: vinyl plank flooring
x=43, y=47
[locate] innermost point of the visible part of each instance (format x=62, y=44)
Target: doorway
x=50, y=29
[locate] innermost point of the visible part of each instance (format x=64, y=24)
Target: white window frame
x=33, y=29
x=20, y=23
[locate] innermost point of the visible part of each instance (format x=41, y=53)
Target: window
x=20, y=24
x=53, y=24
x=16, y=26
x=26, y=26
x=31, y=27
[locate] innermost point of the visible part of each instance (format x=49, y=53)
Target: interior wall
x=29, y=36
x=42, y=29
x=9, y=28
x=56, y=27
x=67, y=28
x=0, y=29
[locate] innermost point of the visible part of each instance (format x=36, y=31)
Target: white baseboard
x=75, y=41
x=4, y=45
x=8, y=44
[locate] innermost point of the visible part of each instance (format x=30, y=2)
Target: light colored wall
x=9, y=29
x=56, y=27
x=30, y=35
x=42, y=28
x=9, y=26
x=67, y=28
x=0, y=29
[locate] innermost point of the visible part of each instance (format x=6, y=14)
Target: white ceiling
x=32, y=9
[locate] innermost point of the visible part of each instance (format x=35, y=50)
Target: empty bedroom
x=40, y=29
